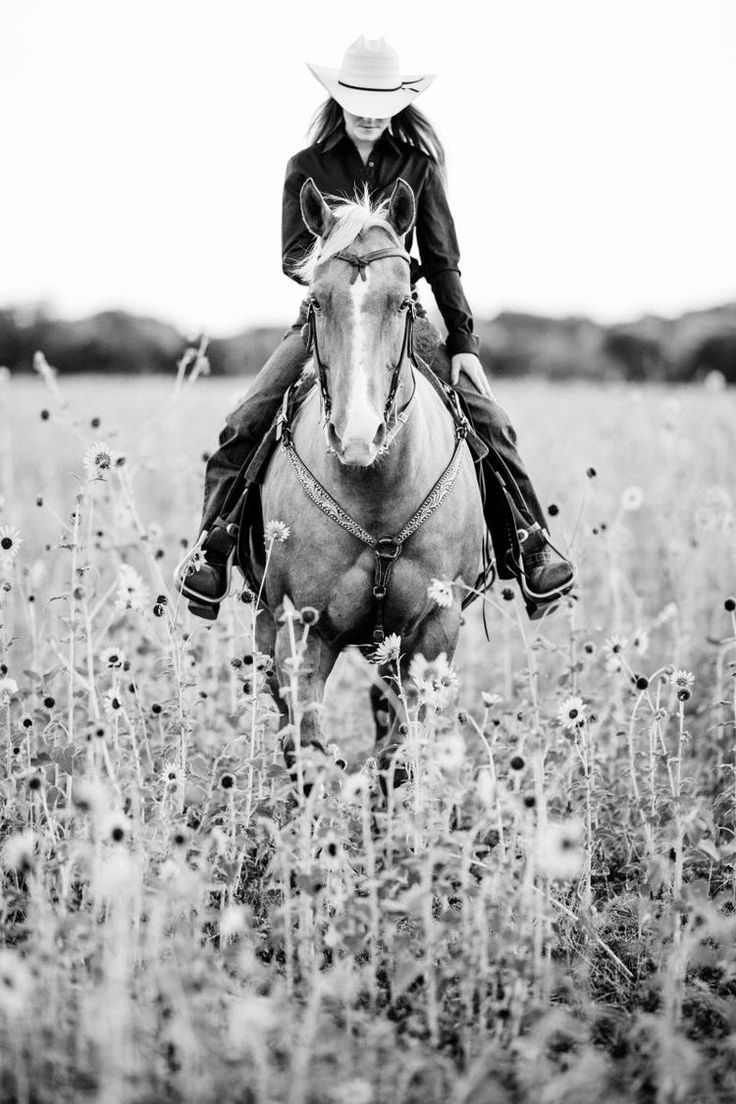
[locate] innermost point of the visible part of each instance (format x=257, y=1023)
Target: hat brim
x=366, y=102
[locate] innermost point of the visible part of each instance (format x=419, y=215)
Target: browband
x=360, y=261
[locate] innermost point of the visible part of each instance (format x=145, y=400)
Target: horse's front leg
x=301, y=670
x=436, y=634
x=390, y=720
x=266, y=631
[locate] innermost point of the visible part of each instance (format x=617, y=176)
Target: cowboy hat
x=369, y=82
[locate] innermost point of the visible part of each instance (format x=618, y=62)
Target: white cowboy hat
x=369, y=83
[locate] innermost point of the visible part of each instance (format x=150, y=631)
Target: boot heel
x=537, y=610
x=207, y=611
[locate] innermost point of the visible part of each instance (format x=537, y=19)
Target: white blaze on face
x=361, y=422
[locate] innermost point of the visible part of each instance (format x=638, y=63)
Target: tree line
x=685, y=348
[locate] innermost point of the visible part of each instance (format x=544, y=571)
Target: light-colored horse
x=377, y=437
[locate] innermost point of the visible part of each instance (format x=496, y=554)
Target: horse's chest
x=350, y=593
x=351, y=600
x=338, y=580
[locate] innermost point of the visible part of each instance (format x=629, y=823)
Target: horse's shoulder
x=308, y=402
x=304, y=417
x=433, y=403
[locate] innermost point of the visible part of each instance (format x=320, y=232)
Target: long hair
x=410, y=125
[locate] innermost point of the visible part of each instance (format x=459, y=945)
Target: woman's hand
x=473, y=369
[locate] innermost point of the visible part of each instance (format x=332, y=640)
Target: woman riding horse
x=368, y=135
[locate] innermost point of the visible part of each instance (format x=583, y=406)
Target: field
x=545, y=912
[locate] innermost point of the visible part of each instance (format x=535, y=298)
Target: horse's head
x=361, y=312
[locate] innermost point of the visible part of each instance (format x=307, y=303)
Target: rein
x=360, y=262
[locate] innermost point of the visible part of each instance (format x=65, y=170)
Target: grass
x=545, y=912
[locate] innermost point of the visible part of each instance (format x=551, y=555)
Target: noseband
x=360, y=262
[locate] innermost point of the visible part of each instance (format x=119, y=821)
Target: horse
x=374, y=478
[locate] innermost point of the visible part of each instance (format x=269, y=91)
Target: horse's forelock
x=351, y=219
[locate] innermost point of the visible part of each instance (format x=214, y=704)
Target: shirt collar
x=390, y=140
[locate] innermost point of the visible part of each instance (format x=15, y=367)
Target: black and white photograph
x=368, y=552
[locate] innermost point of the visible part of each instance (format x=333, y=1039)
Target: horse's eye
x=316, y=305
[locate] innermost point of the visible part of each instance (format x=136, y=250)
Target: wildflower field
x=544, y=912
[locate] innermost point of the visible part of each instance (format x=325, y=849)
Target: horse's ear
x=316, y=214
x=401, y=208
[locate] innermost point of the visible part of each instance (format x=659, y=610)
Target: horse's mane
x=352, y=217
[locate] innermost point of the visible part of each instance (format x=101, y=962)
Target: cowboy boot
x=547, y=576
x=203, y=576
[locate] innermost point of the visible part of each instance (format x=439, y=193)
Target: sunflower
x=682, y=680
x=435, y=680
x=571, y=713
x=8, y=687
x=113, y=657
x=132, y=591
x=559, y=851
x=98, y=460
x=632, y=499
x=441, y=593
x=388, y=650
x=276, y=531
x=10, y=542
x=614, y=645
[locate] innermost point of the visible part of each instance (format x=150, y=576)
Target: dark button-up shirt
x=338, y=169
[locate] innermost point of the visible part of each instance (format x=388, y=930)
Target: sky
x=591, y=157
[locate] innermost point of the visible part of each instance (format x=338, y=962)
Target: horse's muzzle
x=356, y=452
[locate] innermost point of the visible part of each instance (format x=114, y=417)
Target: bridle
x=360, y=262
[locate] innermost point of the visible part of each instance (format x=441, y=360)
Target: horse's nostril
x=332, y=438
x=380, y=436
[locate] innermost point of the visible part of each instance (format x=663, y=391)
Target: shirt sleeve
x=296, y=240
x=440, y=256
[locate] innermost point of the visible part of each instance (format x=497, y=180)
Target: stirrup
x=200, y=604
x=541, y=603
x=536, y=608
